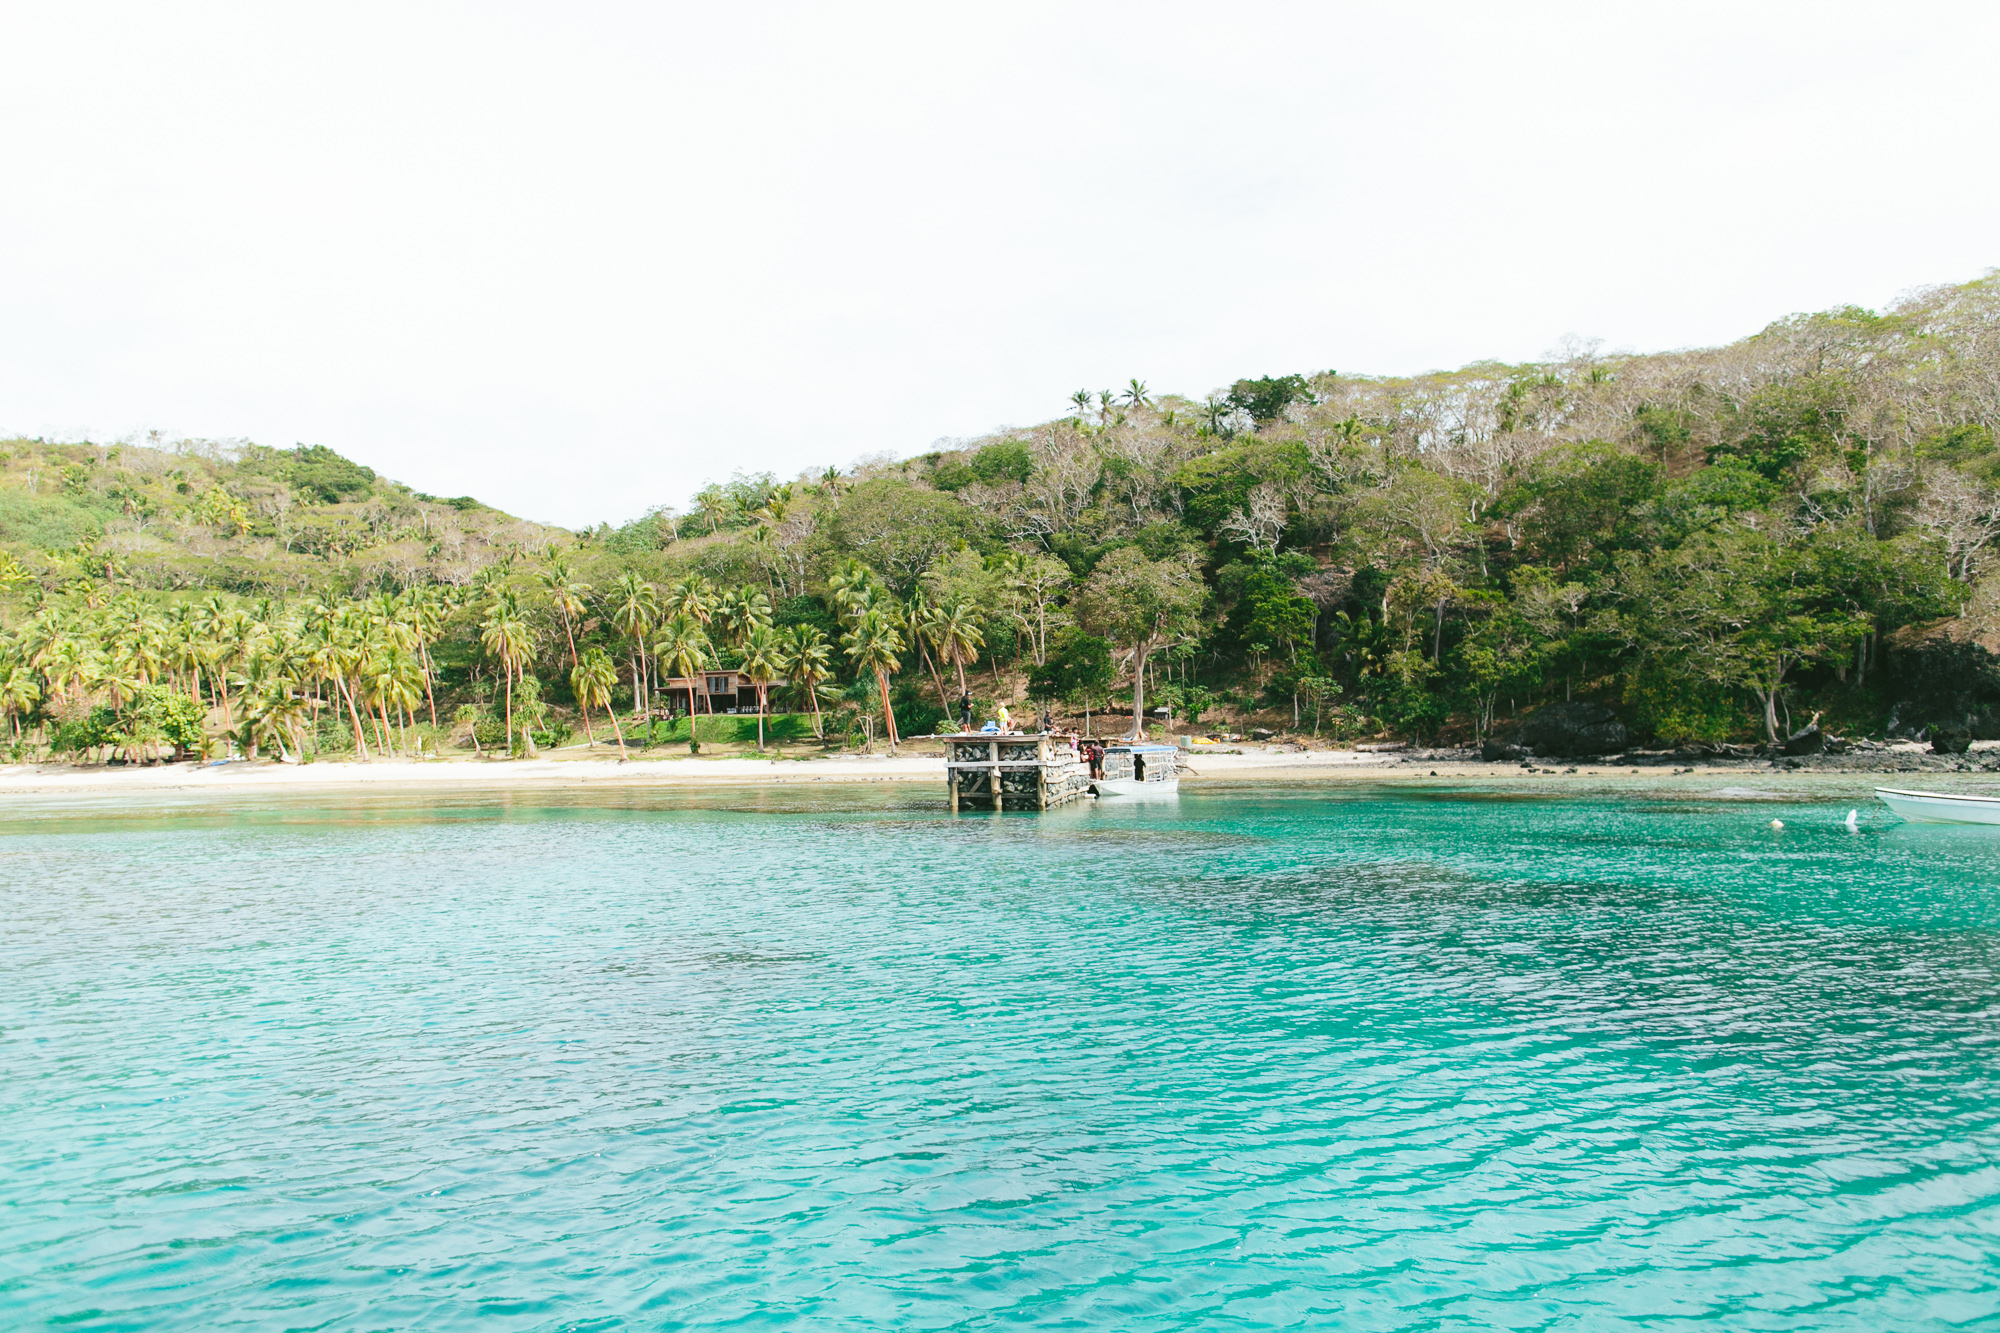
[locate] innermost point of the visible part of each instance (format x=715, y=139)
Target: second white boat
x=1935, y=807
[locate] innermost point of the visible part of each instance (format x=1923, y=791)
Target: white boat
x=1936, y=807
x=1141, y=770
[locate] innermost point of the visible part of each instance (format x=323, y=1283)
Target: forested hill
x=234, y=517
x=1712, y=544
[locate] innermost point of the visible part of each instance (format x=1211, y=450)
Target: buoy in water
x=1777, y=823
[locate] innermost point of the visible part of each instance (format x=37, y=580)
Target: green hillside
x=1715, y=545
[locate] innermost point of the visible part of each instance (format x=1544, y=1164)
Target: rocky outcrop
x=1945, y=676
x=1571, y=730
x=1807, y=740
x=1950, y=740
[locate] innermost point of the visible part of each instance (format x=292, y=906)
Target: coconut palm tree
x=686, y=651
x=693, y=597
x=742, y=614
x=505, y=635
x=875, y=645
x=424, y=610
x=346, y=651
x=591, y=680
x=956, y=626
x=920, y=616
x=1135, y=394
x=566, y=595
x=635, y=607
x=763, y=662
x=19, y=693
x=808, y=661
x=854, y=588
x=714, y=506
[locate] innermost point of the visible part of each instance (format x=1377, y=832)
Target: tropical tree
x=742, y=613
x=809, y=661
x=763, y=662
x=693, y=597
x=1141, y=604
x=566, y=595
x=504, y=634
x=19, y=693
x=685, y=650
x=956, y=625
x=876, y=645
x=635, y=606
x=591, y=680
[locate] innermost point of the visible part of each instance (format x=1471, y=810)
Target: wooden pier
x=1010, y=771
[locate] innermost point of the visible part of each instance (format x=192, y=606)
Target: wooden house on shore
x=720, y=691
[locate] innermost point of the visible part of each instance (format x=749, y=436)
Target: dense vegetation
x=1712, y=542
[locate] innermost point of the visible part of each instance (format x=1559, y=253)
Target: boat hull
x=1930, y=807
x=1132, y=789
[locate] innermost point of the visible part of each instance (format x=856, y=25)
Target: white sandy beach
x=263, y=775
x=679, y=770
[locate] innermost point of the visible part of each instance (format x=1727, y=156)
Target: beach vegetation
x=1710, y=542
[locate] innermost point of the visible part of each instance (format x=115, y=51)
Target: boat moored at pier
x=1139, y=769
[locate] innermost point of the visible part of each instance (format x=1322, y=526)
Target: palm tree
x=875, y=645
x=742, y=614
x=591, y=680
x=1081, y=400
x=685, y=649
x=763, y=662
x=854, y=588
x=426, y=619
x=958, y=638
x=693, y=597
x=809, y=660
x=505, y=635
x=714, y=504
x=1135, y=394
x=346, y=652
x=921, y=617
x=566, y=595
x=635, y=606
x=18, y=694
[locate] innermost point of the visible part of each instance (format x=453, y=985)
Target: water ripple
x=1377, y=1061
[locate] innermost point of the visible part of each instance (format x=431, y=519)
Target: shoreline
x=1332, y=766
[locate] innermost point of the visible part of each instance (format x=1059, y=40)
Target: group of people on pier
x=1089, y=749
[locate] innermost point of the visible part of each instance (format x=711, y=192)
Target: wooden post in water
x=952, y=779
x=999, y=802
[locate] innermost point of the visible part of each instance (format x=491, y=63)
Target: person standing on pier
x=965, y=711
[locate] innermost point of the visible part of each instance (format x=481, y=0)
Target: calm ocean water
x=1357, y=1059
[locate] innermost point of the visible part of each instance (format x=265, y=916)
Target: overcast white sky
x=576, y=258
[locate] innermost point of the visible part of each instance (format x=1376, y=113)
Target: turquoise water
x=1358, y=1059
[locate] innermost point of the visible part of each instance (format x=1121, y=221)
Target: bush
x=1677, y=709
x=1078, y=667
x=97, y=727
x=917, y=714
x=734, y=729
x=157, y=715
